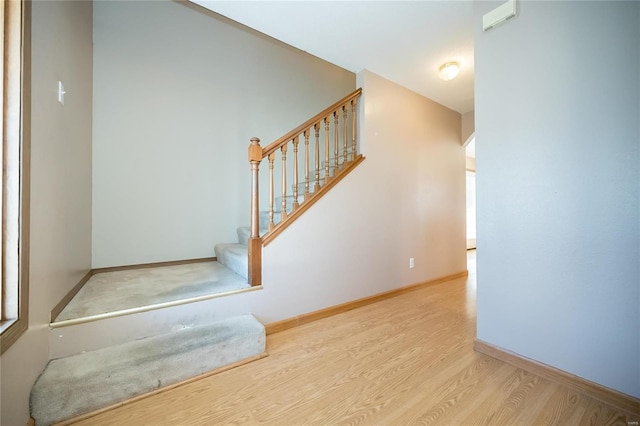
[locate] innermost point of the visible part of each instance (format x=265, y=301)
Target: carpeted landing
x=121, y=290
x=86, y=382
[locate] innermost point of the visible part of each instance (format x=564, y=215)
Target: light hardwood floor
x=406, y=360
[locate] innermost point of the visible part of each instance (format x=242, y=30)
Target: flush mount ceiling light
x=449, y=71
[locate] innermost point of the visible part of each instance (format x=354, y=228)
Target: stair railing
x=333, y=156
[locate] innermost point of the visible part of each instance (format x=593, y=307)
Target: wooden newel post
x=255, y=242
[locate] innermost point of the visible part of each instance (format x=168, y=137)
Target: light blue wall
x=558, y=138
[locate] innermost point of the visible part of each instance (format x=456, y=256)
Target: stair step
x=109, y=331
x=86, y=382
x=278, y=202
x=135, y=288
x=244, y=232
x=322, y=171
x=234, y=257
x=264, y=219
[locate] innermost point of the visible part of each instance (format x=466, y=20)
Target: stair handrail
x=256, y=154
x=278, y=143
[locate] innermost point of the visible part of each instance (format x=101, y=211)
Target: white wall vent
x=499, y=15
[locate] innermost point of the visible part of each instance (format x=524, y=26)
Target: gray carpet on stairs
x=83, y=383
x=119, y=290
x=244, y=232
x=234, y=256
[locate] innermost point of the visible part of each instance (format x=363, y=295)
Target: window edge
x=12, y=330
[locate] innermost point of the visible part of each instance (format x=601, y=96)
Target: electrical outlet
x=411, y=263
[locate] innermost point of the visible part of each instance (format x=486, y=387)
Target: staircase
x=106, y=359
x=336, y=151
x=102, y=360
x=235, y=255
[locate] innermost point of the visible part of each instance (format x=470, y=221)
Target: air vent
x=499, y=15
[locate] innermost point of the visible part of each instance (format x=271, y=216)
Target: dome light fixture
x=449, y=71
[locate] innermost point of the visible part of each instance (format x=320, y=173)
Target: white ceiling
x=403, y=41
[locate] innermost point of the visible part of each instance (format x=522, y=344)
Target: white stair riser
x=65, y=341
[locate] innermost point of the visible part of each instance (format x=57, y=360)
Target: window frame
x=16, y=103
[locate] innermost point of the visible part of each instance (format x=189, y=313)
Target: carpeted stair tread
x=86, y=382
x=244, y=232
x=278, y=202
x=264, y=219
x=235, y=257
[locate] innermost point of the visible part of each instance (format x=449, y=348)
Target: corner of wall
x=468, y=126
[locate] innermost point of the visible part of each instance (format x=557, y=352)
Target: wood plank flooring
x=406, y=360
